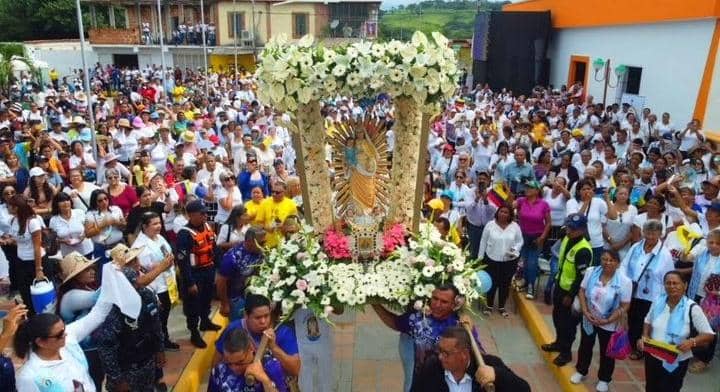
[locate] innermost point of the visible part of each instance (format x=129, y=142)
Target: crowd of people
x=186, y=189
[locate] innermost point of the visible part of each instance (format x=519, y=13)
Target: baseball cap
x=576, y=222
x=195, y=206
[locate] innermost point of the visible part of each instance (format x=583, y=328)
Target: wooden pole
x=421, y=172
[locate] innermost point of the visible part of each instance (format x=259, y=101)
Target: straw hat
x=123, y=123
x=73, y=264
x=188, y=136
x=121, y=254
x=78, y=120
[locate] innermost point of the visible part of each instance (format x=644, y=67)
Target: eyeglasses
x=278, y=192
x=227, y=179
x=443, y=353
x=113, y=177
x=59, y=335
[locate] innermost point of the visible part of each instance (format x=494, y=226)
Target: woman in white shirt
x=232, y=232
x=79, y=190
x=556, y=198
x=670, y=321
x=654, y=210
x=706, y=265
x=500, y=247
x=645, y=264
x=595, y=210
x=228, y=195
x=55, y=359
x=620, y=220
x=26, y=230
x=604, y=297
x=80, y=159
x=69, y=224
x=104, y=223
x=155, y=249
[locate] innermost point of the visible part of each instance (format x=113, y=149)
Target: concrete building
x=127, y=31
x=657, y=54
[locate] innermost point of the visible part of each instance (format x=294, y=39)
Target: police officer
x=575, y=256
x=195, y=250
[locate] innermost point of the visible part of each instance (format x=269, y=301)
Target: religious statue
x=361, y=169
x=360, y=160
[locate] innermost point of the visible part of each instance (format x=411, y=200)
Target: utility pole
x=235, y=36
x=162, y=53
x=204, y=47
x=86, y=80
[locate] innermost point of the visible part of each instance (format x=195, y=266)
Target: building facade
x=661, y=55
x=127, y=32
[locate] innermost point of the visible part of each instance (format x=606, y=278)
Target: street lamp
x=598, y=65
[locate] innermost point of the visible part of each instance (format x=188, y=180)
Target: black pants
x=474, y=235
x=165, y=307
x=565, y=321
x=657, y=379
x=95, y=368
x=25, y=273
x=585, y=353
x=636, y=318
x=501, y=273
x=11, y=256
x=197, y=307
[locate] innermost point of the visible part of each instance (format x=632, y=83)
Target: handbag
x=710, y=305
x=618, y=346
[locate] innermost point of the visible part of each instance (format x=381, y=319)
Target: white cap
x=36, y=171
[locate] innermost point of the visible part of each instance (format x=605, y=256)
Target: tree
x=10, y=54
x=23, y=20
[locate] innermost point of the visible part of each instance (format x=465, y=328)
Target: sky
x=387, y=4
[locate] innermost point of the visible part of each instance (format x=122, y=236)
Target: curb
x=198, y=367
x=542, y=334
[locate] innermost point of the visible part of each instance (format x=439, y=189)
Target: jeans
x=596, y=253
x=550, y=284
x=530, y=254
x=406, y=347
x=474, y=235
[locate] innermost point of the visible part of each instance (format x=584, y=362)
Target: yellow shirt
x=178, y=93
x=273, y=214
x=251, y=209
x=539, y=131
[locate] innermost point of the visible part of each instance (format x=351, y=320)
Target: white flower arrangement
x=292, y=75
x=298, y=274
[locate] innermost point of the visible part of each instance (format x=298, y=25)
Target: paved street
x=366, y=352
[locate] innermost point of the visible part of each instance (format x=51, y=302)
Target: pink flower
x=336, y=245
x=301, y=285
x=393, y=238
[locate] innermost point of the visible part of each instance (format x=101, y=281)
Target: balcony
x=114, y=36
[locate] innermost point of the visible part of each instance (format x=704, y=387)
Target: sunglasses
x=227, y=179
x=59, y=335
x=278, y=192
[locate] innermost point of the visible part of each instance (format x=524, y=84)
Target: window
x=632, y=78
x=300, y=25
x=236, y=23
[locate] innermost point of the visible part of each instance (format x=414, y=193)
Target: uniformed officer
x=195, y=250
x=575, y=256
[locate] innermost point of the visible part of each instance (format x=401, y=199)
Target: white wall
x=145, y=55
x=672, y=57
x=712, y=111
x=63, y=56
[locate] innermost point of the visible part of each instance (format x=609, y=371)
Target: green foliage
x=23, y=20
x=455, y=19
x=8, y=53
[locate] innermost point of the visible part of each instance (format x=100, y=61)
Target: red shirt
x=148, y=93
x=125, y=200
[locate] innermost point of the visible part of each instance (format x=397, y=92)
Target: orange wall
x=587, y=13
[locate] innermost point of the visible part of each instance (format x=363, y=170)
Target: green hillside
x=455, y=19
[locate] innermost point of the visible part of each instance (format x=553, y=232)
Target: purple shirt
x=531, y=216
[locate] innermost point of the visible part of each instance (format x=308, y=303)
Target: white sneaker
x=530, y=293
x=577, y=378
x=602, y=386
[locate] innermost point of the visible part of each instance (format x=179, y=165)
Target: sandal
x=504, y=312
x=698, y=367
x=636, y=355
